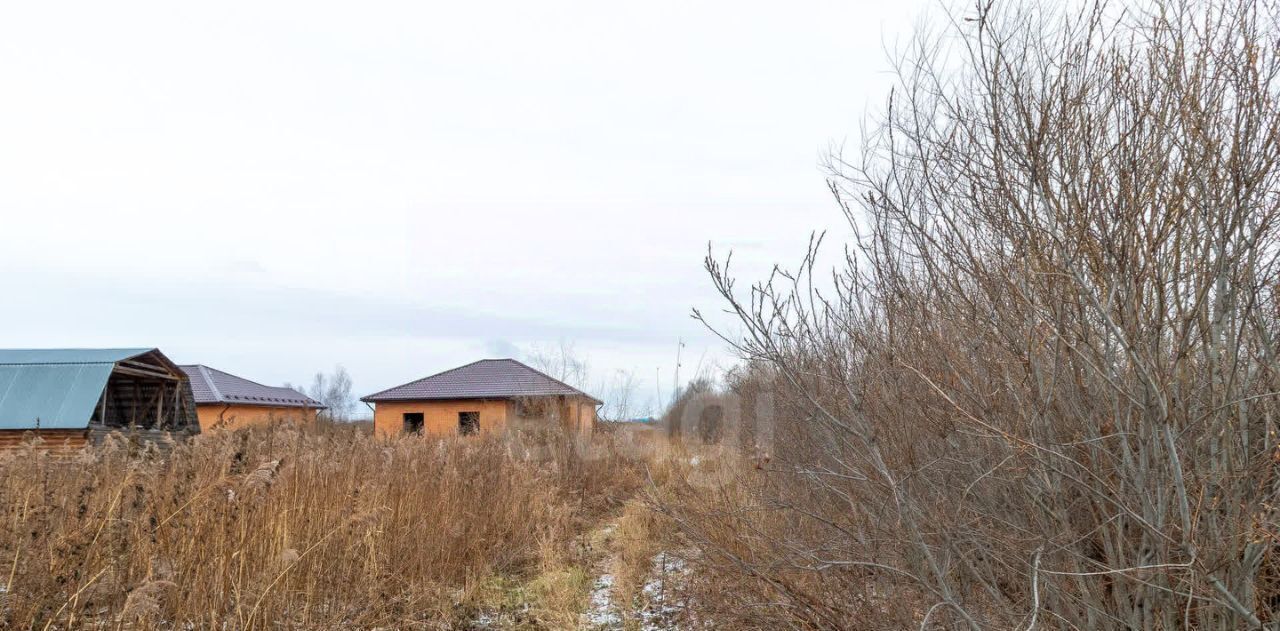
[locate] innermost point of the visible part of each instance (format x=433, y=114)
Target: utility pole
x=676, y=382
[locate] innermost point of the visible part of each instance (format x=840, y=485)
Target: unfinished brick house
x=485, y=396
x=225, y=401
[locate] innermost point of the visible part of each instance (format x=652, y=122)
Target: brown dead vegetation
x=305, y=529
x=1041, y=389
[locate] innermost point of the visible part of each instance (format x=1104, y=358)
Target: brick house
x=225, y=401
x=484, y=396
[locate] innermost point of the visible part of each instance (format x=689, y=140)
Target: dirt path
x=656, y=607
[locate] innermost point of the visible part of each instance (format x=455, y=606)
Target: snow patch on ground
x=485, y=620
x=602, y=613
x=657, y=607
x=661, y=601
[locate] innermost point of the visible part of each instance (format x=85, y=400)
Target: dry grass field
x=1041, y=390
x=327, y=529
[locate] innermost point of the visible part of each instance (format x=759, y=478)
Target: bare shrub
x=1041, y=392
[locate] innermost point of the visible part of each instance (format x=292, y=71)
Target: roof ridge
x=85, y=348
x=55, y=356
x=208, y=380
x=410, y=383
x=527, y=366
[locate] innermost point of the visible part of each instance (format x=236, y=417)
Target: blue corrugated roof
x=55, y=388
x=50, y=396
x=69, y=355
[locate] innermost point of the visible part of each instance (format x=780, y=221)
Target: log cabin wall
x=51, y=439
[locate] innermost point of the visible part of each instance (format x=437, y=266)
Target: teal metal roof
x=55, y=389
x=69, y=355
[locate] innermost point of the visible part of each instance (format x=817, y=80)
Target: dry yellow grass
x=320, y=529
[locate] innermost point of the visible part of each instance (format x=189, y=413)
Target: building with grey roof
x=226, y=401
x=487, y=395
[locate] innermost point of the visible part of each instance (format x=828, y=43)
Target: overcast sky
x=272, y=188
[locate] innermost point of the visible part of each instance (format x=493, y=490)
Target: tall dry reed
x=288, y=528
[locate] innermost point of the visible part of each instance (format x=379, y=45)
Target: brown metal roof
x=214, y=386
x=485, y=379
